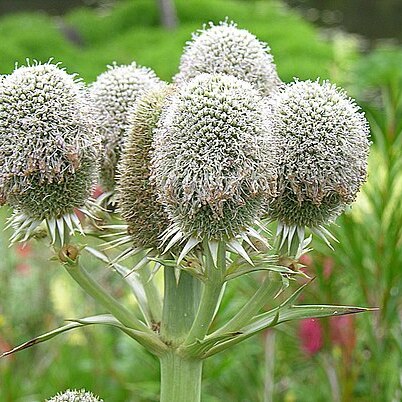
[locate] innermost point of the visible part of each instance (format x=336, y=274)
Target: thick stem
x=180, y=305
x=180, y=378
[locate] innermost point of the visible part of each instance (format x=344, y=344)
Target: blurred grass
x=130, y=32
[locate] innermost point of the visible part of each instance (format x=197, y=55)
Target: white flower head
x=47, y=149
x=226, y=49
x=213, y=162
x=75, y=396
x=325, y=144
x=114, y=93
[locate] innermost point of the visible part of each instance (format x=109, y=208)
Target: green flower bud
x=47, y=153
x=225, y=49
x=145, y=216
x=214, y=162
x=75, y=396
x=325, y=144
x=114, y=93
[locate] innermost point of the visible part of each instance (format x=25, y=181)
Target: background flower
x=114, y=93
x=226, y=49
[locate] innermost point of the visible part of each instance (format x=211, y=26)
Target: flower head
x=75, y=396
x=226, y=49
x=145, y=216
x=213, y=163
x=114, y=93
x=47, y=152
x=325, y=147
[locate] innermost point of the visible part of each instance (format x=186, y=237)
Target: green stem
x=81, y=276
x=152, y=294
x=180, y=305
x=180, y=378
x=251, y=308
x=210, y=294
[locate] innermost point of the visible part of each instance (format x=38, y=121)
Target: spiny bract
x=325, y=143
x=75, y=396
x=47, y=151
x=114, y=93
x=214, y=161
x=225, y=49
x=145, y=216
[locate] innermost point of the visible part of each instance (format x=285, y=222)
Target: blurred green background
x=348, y=359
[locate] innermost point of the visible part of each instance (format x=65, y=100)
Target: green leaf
x=105, y=319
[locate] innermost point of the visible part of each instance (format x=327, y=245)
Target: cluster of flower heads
x=114, y=94
x=47, y=149
x=226, y=49
x=75, y=396
x=226, y=144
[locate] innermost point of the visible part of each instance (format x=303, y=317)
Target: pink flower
x=23, y=250
x=311, y=336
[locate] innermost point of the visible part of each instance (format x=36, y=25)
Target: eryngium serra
x=145, y=216
x=325, y=144
x=226, y=49
x=75, y=396
x=47, y=150
x=114, y=93
x=213, y=161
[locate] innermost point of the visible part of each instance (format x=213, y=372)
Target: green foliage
x=130, y=32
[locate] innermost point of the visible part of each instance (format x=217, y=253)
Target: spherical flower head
x=213, y=162
x=47, y=153
x=325, y=144
x=145, y=216
x=114, y=93
x=226, y=49
x=75, y=396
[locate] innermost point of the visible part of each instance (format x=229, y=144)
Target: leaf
x=106, y=319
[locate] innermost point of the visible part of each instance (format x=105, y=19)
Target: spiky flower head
x=325, y=144
x=212, y=164
x=75, y=396
x=145, y=216
x=114, y=93
x=47, y=152
x=226, y=49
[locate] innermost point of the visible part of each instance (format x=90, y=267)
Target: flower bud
x=47, y=152
x=226, y=49
x=145, y=216
x=213, y=164
x=75, y=396
x=325, y=144
x=114, y=93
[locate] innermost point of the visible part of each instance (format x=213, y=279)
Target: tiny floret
x=226, y=49
x=114, y=93
x=47, y=152
x=213, y=164
x=145, y=216
x=325, y=143
x=75, y=396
